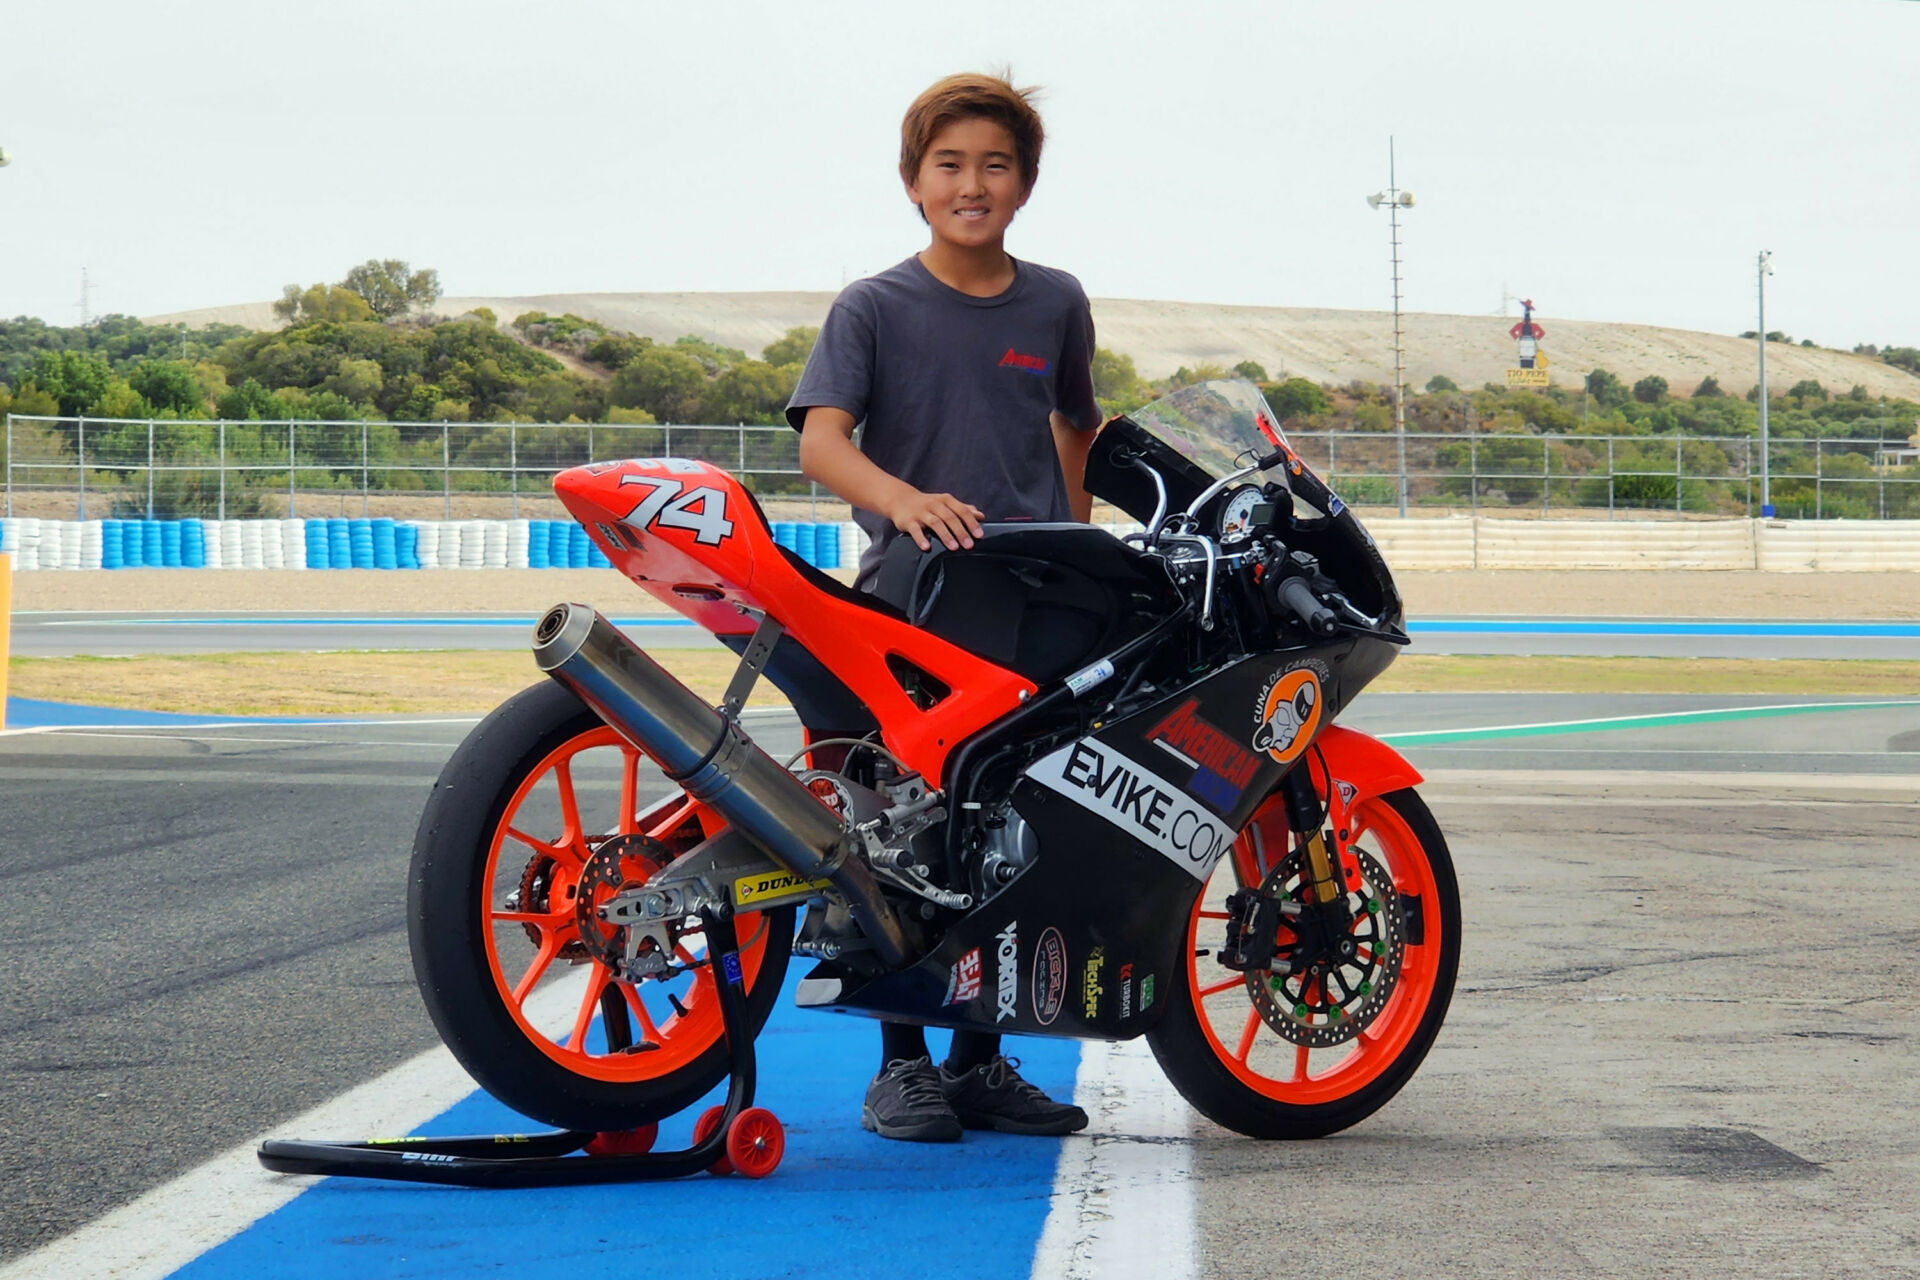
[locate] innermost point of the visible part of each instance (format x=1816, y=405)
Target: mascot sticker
x=1292, y=707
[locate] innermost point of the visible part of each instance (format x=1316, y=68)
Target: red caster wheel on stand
x=756, y=1142
x=623, y=1142
x=703, y=1129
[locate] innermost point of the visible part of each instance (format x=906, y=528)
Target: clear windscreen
x=1220, y=426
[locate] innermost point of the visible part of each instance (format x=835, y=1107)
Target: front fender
x=1363, y=762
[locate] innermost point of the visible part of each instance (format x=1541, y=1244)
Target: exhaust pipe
x=712, y=760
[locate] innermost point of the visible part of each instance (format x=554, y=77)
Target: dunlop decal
x=769, y=885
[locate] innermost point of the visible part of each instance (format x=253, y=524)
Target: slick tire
x=450, y=895
x=1200, y=1060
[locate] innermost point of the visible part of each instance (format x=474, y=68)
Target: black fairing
x=1340, y=542
x=1099, y=885
x=1039, y=599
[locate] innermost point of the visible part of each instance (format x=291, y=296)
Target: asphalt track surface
x=1682, y=1042
x=62, y=634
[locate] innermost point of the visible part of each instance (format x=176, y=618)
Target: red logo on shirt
x=1032, y=364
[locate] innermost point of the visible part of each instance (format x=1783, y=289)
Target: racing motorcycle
x=1059, y=783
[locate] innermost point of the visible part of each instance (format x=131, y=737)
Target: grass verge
x=469, y=681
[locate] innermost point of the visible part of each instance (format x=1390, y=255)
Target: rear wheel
x=542, y=814
x=1337, y=1026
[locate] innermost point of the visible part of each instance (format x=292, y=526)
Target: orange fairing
x=1363, y=762
x=690, y=535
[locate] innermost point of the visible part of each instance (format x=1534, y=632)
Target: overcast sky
x=1613, y=161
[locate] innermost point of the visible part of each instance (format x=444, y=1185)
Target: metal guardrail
x=73, y=468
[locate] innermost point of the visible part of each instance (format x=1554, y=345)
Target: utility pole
x=1766, y=470
x=1396, y=200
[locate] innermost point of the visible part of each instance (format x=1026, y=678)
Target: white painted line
x=1123, y=1193
x=175, y=1223
x=1655, y=779
x=178, y=730
x=1412, y=737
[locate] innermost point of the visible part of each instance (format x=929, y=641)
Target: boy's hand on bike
x=939, y=515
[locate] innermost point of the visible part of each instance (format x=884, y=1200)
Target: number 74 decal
x=703, y=510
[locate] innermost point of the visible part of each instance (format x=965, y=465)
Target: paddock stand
x=735, y=1138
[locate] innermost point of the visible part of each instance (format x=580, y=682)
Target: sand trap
x=1742, y=594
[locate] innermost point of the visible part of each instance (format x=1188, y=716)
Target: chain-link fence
x=79, y=468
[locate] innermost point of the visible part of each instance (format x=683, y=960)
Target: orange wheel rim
x=542, y=842
x=1260, y=1057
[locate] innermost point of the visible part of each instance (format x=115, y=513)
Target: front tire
x=521, y=811
x=1219, y=1046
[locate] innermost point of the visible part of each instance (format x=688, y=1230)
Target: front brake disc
x=1331, y=993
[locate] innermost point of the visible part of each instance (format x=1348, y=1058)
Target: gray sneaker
x=993, y=1096
x=905, y=1102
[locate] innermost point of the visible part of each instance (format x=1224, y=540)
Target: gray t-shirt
x=953, y=392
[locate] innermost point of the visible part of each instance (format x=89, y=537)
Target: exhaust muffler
x=716, y=763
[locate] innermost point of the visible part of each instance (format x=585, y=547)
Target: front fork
x=1326, y=876
x=1253, y=915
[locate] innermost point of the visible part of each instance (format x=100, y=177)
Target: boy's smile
x=969, y=184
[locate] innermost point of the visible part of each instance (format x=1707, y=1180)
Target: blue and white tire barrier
x=335, y=543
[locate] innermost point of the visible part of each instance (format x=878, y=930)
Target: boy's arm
x=828, y=455
x=1073, y=446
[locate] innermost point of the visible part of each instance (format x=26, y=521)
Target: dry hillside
x=1325, y=346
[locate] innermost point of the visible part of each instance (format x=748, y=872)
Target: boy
x=972, y=374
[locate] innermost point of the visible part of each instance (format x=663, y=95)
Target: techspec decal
x=1049, y=977
x=1090, y=988
x=1149, y=808
x=1291, y=708
x=963, y=980
x=1222, y=767
x=763, y=886
x=1006, y=974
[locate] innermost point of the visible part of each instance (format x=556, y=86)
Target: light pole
x=1396, y=200
x=1766, y=470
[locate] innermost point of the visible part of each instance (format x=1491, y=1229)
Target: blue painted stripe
x=623, y=623
x=1593, y=627
x=36, y=713
x=843, y=1203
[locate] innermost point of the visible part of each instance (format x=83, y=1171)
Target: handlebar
x=1299, y=599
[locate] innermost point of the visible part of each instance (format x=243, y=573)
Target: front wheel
x=541, y=815
x=1340, y=1023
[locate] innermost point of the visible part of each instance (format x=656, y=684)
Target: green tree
x=1297, y=398
x=617, y=350
x=168, y=385
x=358, y=381
x=751, y=391
x=1441, y=382
x=321, y=302
x=1651, y=389
x=1251, y=370
x=390, y=288
x=1708, y=388
x=1607, y=391
x=665, y=381
x=791, y=347
x=1807, y=389
x=250, y=400
x=76, y=380
x=121, y=401
x=712, y=356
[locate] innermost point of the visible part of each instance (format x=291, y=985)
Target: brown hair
x=972, y=96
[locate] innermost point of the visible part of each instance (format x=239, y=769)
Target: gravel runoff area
x=1470, y=593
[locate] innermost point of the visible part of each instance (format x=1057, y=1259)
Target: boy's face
x=969, y=183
